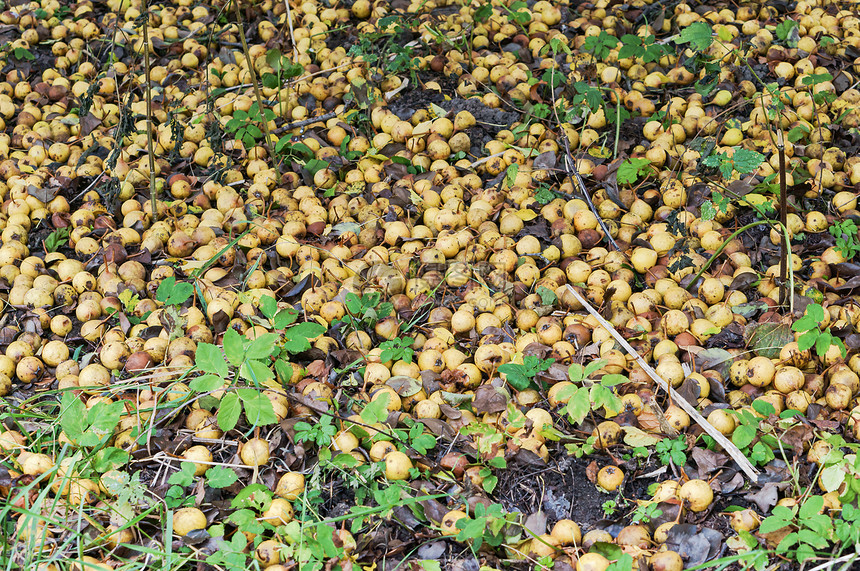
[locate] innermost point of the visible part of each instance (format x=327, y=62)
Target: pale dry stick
x=292, y=37
x=727, y=444
x=847, y=559
x=389, y=95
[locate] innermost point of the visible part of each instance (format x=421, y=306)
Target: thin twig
x=253, y=73
x=303, y=123
x=570, y=167
x=727, y=444
x=570, y=170
x=151, y=154
x=784, y=249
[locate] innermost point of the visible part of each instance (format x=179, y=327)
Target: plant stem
x=785, y=249
x=151, y=153
x=722, y=247
x=617, y=124
x=253, y=73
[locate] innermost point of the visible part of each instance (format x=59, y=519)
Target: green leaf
x=787, y=543
x=511, y=174
x=698, y=34
x=268, y=306
x=593, y=367
x=613, y=380
x=743, y=436
x=602, y=397
x=273, y=59
x=631, y=46
x=424, y=443
x=184, y=477
x=285, y=317
x=109, y=459
x=73, y=416
x=254, y=496
x=234, y=348
x=300, y=334
x=515, y=375
x=262, y=346
x=763, y=407
x=578, y=406
x=345, y=461
x=811, y=507
x=772, y=523
x=210, y=359
x=315, y=165
x=746, y=161
x=284, y=371
x=767, y=339
x=103, y=417
x=164, y=288
x=783, y=29
x=490, y=482
x=807, y=340
x=498, y=462
x=376, y=411
x=206, y=383
x=259, y=410
x=797, y=133
x=623, y=563
x=228, y=411
x=293, y=70
x=805, y=323
x=255, y=371
x=270, y=80
x=631, y=169
x=812, y=538
x=547, y=296
x=482, y=13
x=822, y=344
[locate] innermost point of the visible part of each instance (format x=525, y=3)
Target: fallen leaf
x=45, y=194
x=318, y=369
x=591, y=472
x=637, y=437
x=767, y=339
x=546, y=160
x=536, y=523
x=690, y=391
x=708, y=461
x=716, y=359
x=438, y=427
x=433, y=550
x=765, y=498
x=526, y=214
x=88, y=123
x=694, y=545
x=489, y=399
x=405, y=386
